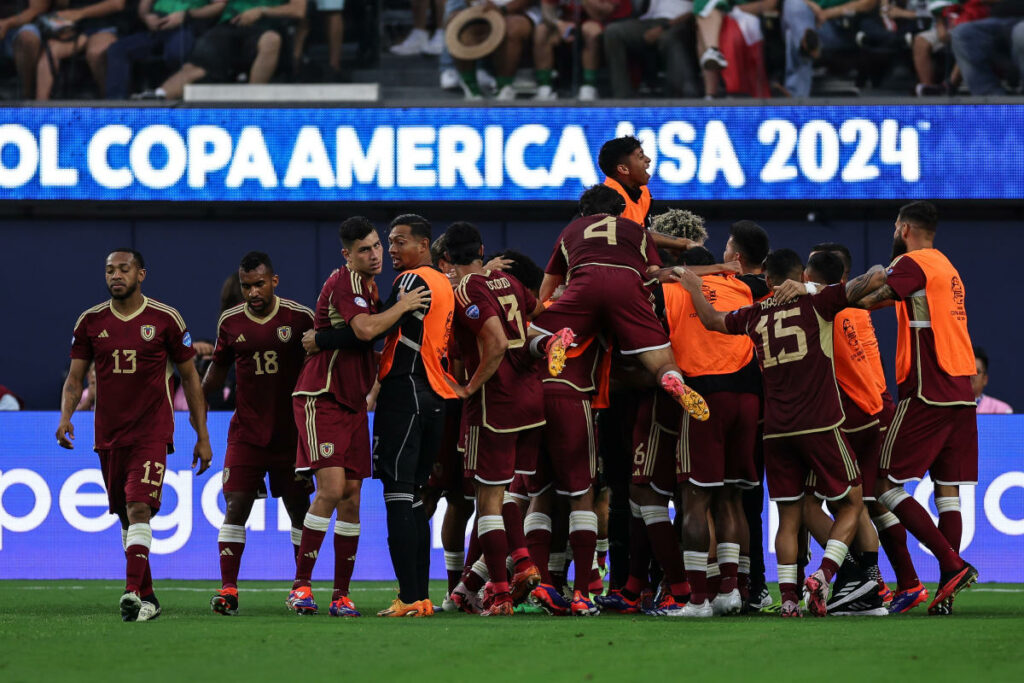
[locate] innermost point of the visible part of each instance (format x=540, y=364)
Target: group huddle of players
x=566, y=409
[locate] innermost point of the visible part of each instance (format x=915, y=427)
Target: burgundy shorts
x=496, y=457
x=937, y=440
x=246, y=467
x=520, y=487
x=607, y=300
x=863, y=432
x=446, y=475
x=655, y=439
x=331, y=435
x=826, y=455
x=722, y=449
x=134, y=474
x=568, y=455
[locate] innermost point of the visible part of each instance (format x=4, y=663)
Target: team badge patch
x=361, y=302
x=224, y=475
x=284, y=333
x=148, y=332
x=187, y=340
x=326, y=450
x=473, y=312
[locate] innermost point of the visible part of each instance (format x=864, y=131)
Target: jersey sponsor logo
x=103, y=335
x=148, y=332
x=473, y=312
x=361, y=302
x=187, y=340
x=241, y=338
x=326, y=450
x=284, y=333
x=224, y=475
x=710, y=294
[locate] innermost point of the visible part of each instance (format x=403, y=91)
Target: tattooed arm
x=870, y=290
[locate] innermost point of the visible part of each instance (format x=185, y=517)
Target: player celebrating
x=802, y=417
x=263, y=338
x=329, y=404
x=132, y=339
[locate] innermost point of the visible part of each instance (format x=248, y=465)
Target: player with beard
x=262, y=338
x=133, y=340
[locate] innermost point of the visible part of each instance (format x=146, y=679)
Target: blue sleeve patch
x=187, y=339
x=473, y=312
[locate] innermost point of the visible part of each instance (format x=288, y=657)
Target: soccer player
x=803, y=414
x=329, y=404
x=409, y=421
x=624, y=164
x=604, y=261
x=262, y=337
x=133, y=339
x=935, y=428
x=502, y=412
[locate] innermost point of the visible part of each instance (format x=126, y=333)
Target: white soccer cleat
x=449, y=605
x=726, y=604
x=130, y=605
x=701, y=611
x=588, y=93
x=148, y=611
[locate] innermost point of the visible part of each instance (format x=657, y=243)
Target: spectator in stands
x=731, y=45
x=664, y=30
x=811, y=26
x=171, y=29
x=332, y=10
x=9, y=400
x=419, y=41
x=558, y=26
x=84, y=27
x=20, y=41
x=518, y=31
x=980, y=46
x=448, y=73
x=247, y=36
x=986, y=404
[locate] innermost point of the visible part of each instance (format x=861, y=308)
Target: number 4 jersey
x=134, y=358
x=268, y=354
x=793, y=343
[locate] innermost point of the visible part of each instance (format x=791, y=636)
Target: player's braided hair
x=681, y=223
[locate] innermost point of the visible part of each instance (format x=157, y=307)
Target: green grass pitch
x=71, y=630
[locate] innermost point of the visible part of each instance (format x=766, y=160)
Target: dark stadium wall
x=51, y=270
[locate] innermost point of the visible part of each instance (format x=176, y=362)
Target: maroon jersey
x=605, y=241
x=582, y=373
x=794, y=347
x=345, y=374
x=134, y=357
x=511, y=399
x=268, y=354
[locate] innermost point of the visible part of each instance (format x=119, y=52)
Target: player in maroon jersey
x=605, y=260
x=262, y=337
x=329, y=405
x=803, y=413
x=503, y=406
x=132, y=339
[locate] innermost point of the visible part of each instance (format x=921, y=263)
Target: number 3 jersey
x=793, y=343
x=268, y=354
x=135, y=357
x=512, y=399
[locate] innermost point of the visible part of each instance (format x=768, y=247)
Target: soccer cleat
x=852, y=591
x=951, y=584
x=401, y=609
x=149, y=610
x=869, y=605
x=615, y=601
x=225, y=601
x=944, y=608
x=761, y=601
x=448, y=605
x=343, y=607
x=466, y=600
x=698, y=609
x=523, y=582
x=885, y=593
x=906, y=600
x=550, y=600
x=426, y=607
x=130, y=605
x=816, y=589
x=300, y=601
x=556, y=349
x=501, y=606
x=790, y=610
x=581, y=606
x=692, y=402
x=668, y=606
x=727, y=604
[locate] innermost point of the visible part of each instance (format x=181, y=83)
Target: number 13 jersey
x=793, y=343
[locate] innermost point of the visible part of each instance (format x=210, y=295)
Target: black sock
x=402, y=538
x=422, y=528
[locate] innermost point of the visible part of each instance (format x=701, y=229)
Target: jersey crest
x=284, y=333
x=148, y=332
x=326, y=450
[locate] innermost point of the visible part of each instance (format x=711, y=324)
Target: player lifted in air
x=134, y=340
x=262, y=337
x=329, y=404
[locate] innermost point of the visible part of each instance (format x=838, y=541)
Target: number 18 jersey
x=793, y=343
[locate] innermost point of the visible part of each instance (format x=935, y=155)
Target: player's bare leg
x=346, y=542
x=230, y=546
x=138, y=602
x=330, y=488
x=661, y=364
x=494, y=545
x=730, y=525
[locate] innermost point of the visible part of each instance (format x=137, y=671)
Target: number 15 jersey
x=793, y=343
